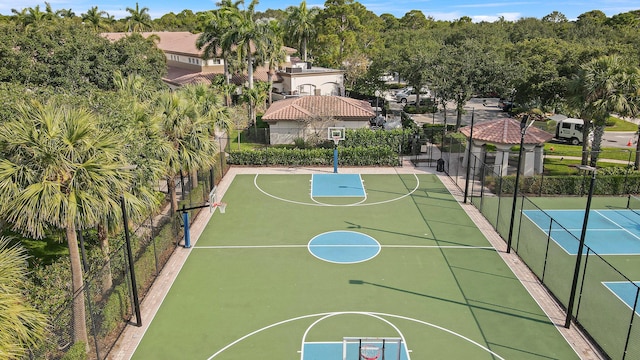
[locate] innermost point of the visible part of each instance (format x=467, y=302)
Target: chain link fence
x=107, y=291
x=611, y=323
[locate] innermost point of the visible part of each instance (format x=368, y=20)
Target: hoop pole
x=187, y=234
x=335, y=159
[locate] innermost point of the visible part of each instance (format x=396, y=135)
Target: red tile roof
x=506, y=131
x=182, y=42
x=341, y=108
x=179, y=76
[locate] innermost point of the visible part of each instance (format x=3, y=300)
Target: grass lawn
x=572, y=150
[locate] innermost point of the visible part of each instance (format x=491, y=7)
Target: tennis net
x=633, y=204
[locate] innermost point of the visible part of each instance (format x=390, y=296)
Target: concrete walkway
x=131, y=336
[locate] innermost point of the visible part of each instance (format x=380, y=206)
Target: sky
x=477, y=10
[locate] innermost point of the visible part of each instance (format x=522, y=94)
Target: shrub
x=76, y=352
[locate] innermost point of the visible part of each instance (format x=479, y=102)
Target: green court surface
x=250, y=287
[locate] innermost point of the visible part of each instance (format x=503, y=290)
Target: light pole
x=585, y=222
x=466, y=184
x=523, y=132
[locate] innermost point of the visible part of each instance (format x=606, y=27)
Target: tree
x=21, y=326
x=463, y=69
x=191, y=148
x=273, y=54
x=604, y=86
x=300, y=27
x=60, y=170
x=95, y=18
x=247, y=35
x=337, y=32
x=216, y=25
x=139, y=20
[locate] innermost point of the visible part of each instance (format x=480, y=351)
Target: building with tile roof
x=505, y=133
x=185, y=65
x=308, y=117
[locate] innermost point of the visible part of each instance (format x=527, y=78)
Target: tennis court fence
x=612, y=323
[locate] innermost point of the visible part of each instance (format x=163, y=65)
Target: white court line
x=616, y=224
x=255, y=183
x=451, y=332
x=304, y=246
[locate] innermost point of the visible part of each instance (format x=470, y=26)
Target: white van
x=570, y=130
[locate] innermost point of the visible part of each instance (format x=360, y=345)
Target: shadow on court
x=513, y=314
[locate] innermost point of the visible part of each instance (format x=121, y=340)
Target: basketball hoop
x=336, y=140
x=221, y=206
x=369, y=352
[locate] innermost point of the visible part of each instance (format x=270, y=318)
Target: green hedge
x=357, y=156
x=568, y=185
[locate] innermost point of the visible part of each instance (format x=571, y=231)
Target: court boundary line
x=222, y=247
x=451, y=332
x=616, y=224
x=637, y=283
x=255, y=183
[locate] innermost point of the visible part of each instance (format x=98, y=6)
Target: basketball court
x=325, y=266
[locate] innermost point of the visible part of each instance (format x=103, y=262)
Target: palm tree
x=188, y=135
x=211, y=39
x=604, y=86
x=300, y=25
x=208, y=107
x=274, y=54
x=21, y=326
x=96, y=18
x=66, y=13
x=243, y=32
x=58, y=169
x=139, y=20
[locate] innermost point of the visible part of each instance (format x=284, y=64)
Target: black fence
x=611, y=323
x=107, y=288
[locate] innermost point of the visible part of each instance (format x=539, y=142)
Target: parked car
x=409, y=95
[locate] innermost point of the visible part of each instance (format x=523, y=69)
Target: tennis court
x=609, y=232
x=332, y=267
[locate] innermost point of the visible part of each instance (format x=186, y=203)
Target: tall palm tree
x=274, y=54
x=188, y=135
x=604, y=86
x=211, y=38
x=245, y=33
x=21, y=326
x=58, y=169
x=139, y=20
x=96, y=18
x=300, y=25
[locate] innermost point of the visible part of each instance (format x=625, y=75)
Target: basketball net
x=336, y=140
x=369, y=352
x=221, y=206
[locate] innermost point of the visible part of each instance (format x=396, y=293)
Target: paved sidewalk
x=131, y=336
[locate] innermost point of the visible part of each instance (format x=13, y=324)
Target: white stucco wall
x=285, y=132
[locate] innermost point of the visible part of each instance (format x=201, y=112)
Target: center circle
x=344, y=247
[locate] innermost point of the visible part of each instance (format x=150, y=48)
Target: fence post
x=633, y=312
